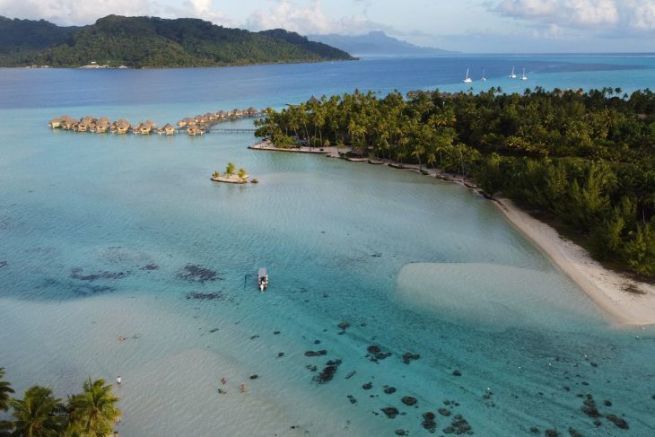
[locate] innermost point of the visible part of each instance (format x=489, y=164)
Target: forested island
x=582, y=161
x=140, y=42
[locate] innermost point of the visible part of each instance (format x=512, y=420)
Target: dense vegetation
x=91, y=413
x=584, y=161
x=151, y=42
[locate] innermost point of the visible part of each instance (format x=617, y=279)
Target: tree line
x=91, y=413
x=585, y=161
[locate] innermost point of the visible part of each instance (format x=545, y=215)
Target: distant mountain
x=375, y=44
x=152, y=42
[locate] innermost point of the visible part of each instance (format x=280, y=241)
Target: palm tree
x=5, y=391
x=38, y=414
x=94, y=412
x=229, y=170
x=242, y=173
x=216, y=175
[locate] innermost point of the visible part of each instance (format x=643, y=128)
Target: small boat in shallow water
x=262, y=279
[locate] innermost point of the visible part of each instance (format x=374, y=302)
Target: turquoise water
x=96, y=232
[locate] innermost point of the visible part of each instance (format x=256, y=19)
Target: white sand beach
x=606, y=287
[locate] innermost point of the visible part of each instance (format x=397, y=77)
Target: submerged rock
x=551, y=433
x=376, y=354
x=458, y=426
x=457, y=373
x=618, y=421
x=401, y=432
x=589, y=407
x=150, y=267
x=327, y=374
x=352, y=399
x=444, y=411
x=409, y=400
x=390, y=412
x=429, y=422
x=408, y=357
x=316, y=353
x=76, y=273
x=204, y=296
x=389, y=390
x=197, y=273
x=343, y=326
x=3, y=263
x=367, y=386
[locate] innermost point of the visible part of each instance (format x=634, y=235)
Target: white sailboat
x=483, y=78
x=513, y=75
x=468, y=78
x=524, y=77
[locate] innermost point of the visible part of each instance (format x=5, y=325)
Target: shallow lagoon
x=85, y=219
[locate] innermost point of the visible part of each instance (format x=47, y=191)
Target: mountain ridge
x=376, y=43
x=152, y=42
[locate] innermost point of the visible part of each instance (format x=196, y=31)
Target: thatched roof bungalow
x=121, y=127
x=194, y=131
x=102, y=128
x=168, y=129
x=67, y=122
x=82, y=126
x=184, y=122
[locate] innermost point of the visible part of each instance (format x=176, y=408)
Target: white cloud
x=624, y=15
x=577, y=12
x=643, y=14
x=80, y=12
x=73, y=11
x=309, y=19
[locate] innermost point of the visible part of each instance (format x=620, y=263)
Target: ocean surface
x=118, y=256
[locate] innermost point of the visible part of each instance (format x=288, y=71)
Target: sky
x=474, y=26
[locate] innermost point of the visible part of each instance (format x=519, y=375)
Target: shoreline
x=605, y=287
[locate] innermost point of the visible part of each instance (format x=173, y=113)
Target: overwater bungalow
x=195, y=131
x=168, y=130
x=67, y=122
x=102, y=128
x=121, y=127
x=184, y=122
x=82, y=126
x=55, y=123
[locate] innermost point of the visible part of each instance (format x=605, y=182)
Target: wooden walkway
x=232, y=130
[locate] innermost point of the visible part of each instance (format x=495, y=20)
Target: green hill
x=152, y=42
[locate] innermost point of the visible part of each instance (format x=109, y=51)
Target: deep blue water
x=276, y=85
x=412, y=264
